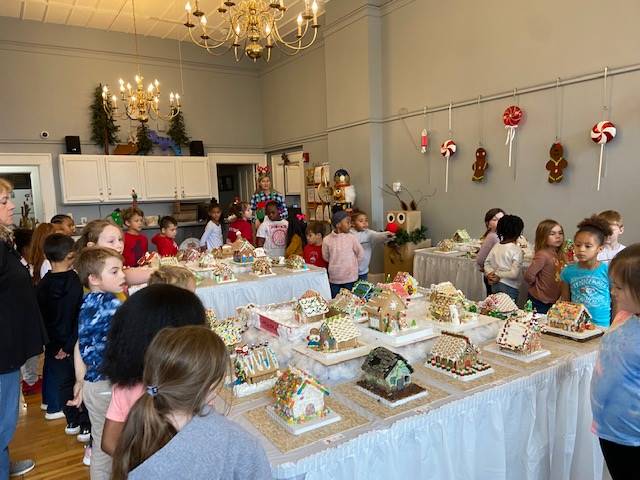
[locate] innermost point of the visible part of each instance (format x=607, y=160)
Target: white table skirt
x=535, y=427
x=225, y=298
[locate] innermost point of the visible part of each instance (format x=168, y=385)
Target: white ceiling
x=155, y=18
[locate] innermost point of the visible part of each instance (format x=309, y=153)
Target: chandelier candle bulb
x=299, y=20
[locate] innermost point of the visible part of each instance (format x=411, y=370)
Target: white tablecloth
x=225, y=298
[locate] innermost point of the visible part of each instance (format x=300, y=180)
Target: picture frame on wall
x=225, y=183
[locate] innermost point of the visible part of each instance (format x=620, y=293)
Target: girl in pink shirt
x=133, y=327
x=342, y=251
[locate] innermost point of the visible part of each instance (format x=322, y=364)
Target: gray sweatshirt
x=210, y=447
x=367, y=239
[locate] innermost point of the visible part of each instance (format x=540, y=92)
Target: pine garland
x=143, y=141
x=104, y=131
x=177, y=130
x=417, y=236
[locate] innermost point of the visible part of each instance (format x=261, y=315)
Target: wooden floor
x=57, y=456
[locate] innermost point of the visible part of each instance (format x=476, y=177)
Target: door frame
x=232, y=159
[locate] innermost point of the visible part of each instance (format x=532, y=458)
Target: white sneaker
x=54, y=415
x=43, y=407
x=84, y=435
x=21, y=467
x=86, y=460
x=72, y=429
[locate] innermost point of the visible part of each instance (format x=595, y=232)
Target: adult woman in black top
x=21, y=330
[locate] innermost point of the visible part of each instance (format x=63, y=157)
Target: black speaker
x=73, y=144
x=196, y=148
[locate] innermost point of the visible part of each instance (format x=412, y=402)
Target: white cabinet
x=161, y=179
x=123, y=174
x=82, y=178
x=194, y=177
x=293, y=174
x=278, y=178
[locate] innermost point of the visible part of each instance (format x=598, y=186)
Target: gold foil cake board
x=528, y=358
x=499, y=373
x=300, y=428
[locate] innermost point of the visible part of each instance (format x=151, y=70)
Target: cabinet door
x=160, y=178
x=123, y=175
x=195, y=181
x=82, y=178
x=294, y=179
x=277, y=177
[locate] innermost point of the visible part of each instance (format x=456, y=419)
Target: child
x=100, y=270
x=174, y=275
x=174, y=423
x=367, y=239
x=135, y=242
x=36, y=258
x=296, y=235
x=342, y=251
x=212, y=236
x=165, y=241
x=312, y=251
x=64, y=224
x=128, y=340
x=586, y=281
x=272, y=233
x=543, y=275
x=242, y=224
x=503, y=264
x=611, y=244
x=59, y=297
x=616, y=376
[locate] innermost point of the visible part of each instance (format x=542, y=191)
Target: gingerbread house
x=299, y=396
x=446, y=303
x=221, y=272
x=207, y=260
x=190, y=255
x=262, y=267
x=169, y=260
x=349, y=304
x=456, y=354
x=569, y=316
x=295, y=262
x=364, y=289
x=396, y=287
x=461, y=236
x=243, y=251
x=229, y=331
x=499, y=305
x=254, y=364
x=520, y=337
x=387, y=312
x=212, y=318
x=386, y=370
x=311, y=307
x=409, y=283
x=337, y=334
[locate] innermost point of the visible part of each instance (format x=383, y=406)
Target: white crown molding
x=280, y=63
x=294, y=142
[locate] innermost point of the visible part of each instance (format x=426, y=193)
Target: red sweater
x=135, y=246
x=167, y=247
x=313, y=255
x=243, y=227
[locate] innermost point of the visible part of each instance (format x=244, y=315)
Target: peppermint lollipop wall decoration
x=511, y=118
x=447, y=150
x=604, y=131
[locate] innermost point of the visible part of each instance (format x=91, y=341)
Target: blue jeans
x=9, y=399
x=504, y=288
x=364, y=277
x=335, y=288
x=540, y=307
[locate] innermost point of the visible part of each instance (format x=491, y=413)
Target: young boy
x=611, y=245
x=367, y=238
x=59, y=297
x=272, y=233
x=135, y=242
x=64, y=224
x=100, y=270
x=165, y=241
x=343, y=252
x=312, y=251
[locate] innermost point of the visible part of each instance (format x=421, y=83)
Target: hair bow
x=263, y=170
x=301, y=217
x=152, y=390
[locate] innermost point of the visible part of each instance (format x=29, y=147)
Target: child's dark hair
x=60, y=218
x=624, y=269
x=597, y=226
x=91, y=261
x=22, y=238
x=237, y=208
x=161, y=306
x=317, y=227
x=167, y=221
x=270, y=203
x=509, y=227
x=57, y=246
x=182, y=367
x=357, y=213
x=130, y=212
x=297, y=226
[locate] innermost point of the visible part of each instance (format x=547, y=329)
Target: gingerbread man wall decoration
x=480, y=165
x=557, y=163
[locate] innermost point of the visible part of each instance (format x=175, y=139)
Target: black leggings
x=621, y=460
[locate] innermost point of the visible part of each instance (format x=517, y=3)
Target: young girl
x=342, y=250
x=296, y=235
x=128, y=340
x=36, y=256
x=312, y=251
x=174, y=423
x=616, y=377
x=367, y=238
x=212, y=236
x=489, y=239
x=543, y=275
x=272, y=233
x=242, y=224
x=586, y=281
x=503, y=264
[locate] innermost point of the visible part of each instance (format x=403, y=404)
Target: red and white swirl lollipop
x=602, y=133
x=511, y=118
x=447, y=149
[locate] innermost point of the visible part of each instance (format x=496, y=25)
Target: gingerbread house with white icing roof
x=455, y=353
x=337, y=334
x=520, y=337
x=311, y=307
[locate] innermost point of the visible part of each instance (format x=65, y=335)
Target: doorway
x=26, y=194
x=235, y=181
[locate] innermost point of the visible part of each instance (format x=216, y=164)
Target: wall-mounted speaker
x=196, y=148
x=73, y=144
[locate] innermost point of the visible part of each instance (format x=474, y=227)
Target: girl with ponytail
x=173, y=430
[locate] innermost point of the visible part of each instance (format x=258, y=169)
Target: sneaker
x=85, y=434
x=72, y=429
x=21, y=467
x=54, y=415
x=32, y=389
x=86, y=460
x=43, y=407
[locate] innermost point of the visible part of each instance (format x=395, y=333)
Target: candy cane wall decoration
x=511, y=117
x=602, y=133
x=447, y=149
x=424, y=141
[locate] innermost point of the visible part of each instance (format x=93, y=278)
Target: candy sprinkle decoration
x=511, y=118
x=602, y=133
x=447, y=149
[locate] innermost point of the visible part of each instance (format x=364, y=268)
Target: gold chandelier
x=139, y=104
x=252, y=25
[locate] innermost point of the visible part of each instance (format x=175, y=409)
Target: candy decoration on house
x=557, y=163
x=447, y=149
x=602, y=133
x=480, y=165
x=511, y=118
x=424, y=141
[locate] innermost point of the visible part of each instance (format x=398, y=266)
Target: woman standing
x=21, y=331
x=264, y=194
x=489, y=239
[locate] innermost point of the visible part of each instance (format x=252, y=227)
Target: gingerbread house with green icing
x=295, y=262
x=299, y=396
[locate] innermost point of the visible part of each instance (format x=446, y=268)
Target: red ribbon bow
x=300, y=216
